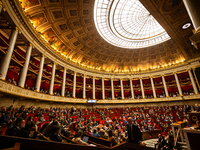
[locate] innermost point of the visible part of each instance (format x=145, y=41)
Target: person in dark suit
x=15, y=129
x=54, y=136
x=134, y=133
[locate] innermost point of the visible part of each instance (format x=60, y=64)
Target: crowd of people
x=112, y=124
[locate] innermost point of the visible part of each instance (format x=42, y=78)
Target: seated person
x=111, y=138
x=77, y=138
x=54, y=135
x=95, y=133
x=50, y=127
x=15, y=129
x=198, y=125
x=26, y=132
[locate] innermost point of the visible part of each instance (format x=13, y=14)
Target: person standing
x=134, y=133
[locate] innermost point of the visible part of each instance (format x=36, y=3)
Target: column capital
x=75, y=72
x=43, y=56
x=64, y=68
x=102, y=78
x=130, y=79
x=54, y=63
x=150, y=76
x=111, y=78
x=188, y=69
x=84, y=75
x=94, y=77
x=162, y=75
x=121, y=79
x=17, y=29
x=174, y=72
x=31, y=45
x=1, y=4
x=140, y=77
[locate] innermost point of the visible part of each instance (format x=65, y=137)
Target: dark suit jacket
x=55, y=137
x=13, y=131
x=137, y=135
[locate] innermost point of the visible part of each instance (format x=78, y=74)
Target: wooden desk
x=192, y=138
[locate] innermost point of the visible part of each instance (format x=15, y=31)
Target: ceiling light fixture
x=187, y=25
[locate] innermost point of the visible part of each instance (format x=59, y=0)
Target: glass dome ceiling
x=127, y=24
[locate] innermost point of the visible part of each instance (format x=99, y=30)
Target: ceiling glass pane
x=127, y=24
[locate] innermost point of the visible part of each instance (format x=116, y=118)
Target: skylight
x=127, y=24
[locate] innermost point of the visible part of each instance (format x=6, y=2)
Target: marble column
x=192, y=7
x=93, y=87
x=153, y=87
x=178, y=84
x=193, y=82
x=64, y=82
x=112, y=88
x=39, y=77
x=52, y=78
x=165, y=86
x=132, y=91
x=142, y=88
x=74, y=85
x=103, y=89
x=122, y=88
x=7, y=58
x=84, y=86
x=22, y=77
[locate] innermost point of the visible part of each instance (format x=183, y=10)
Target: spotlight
x=187, y=25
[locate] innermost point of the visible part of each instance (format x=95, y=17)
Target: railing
x=11, y=89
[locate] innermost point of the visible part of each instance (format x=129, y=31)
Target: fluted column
x=132, y=92
x=52, y=78
x=193, y=82
x=153, y=88
x=64, y=81
x=122, y=88
x=142, y=88
x=24, y=70
x=93, y=84
x=7, y=58
x=178, y=84
x=74, y=86
x=84, y=85
x=192, y=7
x=103, y=89
x=39, y=77
x=112, y=88
x=165, y=86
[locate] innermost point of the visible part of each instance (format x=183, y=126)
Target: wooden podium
x=192, y=138
x=194, y=116
x=178, y=125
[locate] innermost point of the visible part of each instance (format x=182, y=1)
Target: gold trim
x=167, y=96
x=196, y=93
x=22, y=86
x=3, y=79
x=193, y=68
x=38, y=91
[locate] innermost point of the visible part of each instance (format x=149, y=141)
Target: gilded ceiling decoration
x=68, y=26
